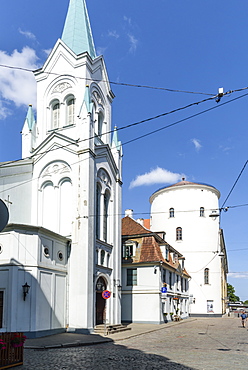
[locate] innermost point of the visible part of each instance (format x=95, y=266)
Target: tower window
x=55, y=115
x=171, y=212
x=105, y=216
x=98, y=204
x=206, y=276
x=102, y=257
x=179, y=233
x=99, y=124
x=202, y=212
x=70, y=111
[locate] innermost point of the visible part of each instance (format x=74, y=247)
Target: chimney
x=129, y=213
x=140, y=221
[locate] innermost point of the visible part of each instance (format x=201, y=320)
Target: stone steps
x=110, y=329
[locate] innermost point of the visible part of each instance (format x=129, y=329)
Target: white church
x=62, y=245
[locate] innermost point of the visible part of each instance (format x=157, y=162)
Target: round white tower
x=188, y=212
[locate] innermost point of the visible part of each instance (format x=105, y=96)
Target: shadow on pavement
x=100, y=356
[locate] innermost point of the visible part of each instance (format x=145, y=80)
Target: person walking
x=243, y=317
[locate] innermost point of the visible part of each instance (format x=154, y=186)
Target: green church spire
x=77, y=31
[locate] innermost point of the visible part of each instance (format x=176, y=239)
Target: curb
x=69, y=345
x=156, y=329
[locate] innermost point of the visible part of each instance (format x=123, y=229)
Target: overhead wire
x=140, y=122
x=111, y=82
x=125, y=143
x=235, y=183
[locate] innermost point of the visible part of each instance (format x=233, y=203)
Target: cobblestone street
x=199, y=344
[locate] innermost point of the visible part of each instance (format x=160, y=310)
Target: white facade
x=70, y=185
x=155, y=284
x=185, y=211
x=145, y=303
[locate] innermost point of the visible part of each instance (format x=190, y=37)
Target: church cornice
x=43, y=148
x=100, y=153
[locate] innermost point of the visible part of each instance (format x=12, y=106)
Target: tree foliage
x=231, y=294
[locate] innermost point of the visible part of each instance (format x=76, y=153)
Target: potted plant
x=2, y=344
x=165, y=316
x=17, y=340
x=171, y=315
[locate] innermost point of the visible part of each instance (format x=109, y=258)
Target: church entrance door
x=100, y=302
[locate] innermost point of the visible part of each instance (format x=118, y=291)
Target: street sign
x=106, y=294
x=164, y=290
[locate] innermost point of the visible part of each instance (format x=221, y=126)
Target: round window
x=60, y=256
x=46, y=252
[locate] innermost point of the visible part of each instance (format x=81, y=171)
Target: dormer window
x=128, y=251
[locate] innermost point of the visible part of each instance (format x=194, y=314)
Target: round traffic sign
x=106, y=294
x=164, y=290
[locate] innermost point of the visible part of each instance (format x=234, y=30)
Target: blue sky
x=186, y=45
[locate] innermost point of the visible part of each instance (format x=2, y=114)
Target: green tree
x=231, y=294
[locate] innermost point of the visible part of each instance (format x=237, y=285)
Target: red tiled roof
x=132, y=227
x=150, y=250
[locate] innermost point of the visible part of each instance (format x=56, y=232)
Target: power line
x=184, y=119
x=111, y=82
x=140, y=122
x=235, y=183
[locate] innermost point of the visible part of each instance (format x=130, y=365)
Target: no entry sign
x=106, y=294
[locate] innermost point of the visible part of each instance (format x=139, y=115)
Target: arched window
x=102, y=257
x=55, y=114
x=108, y=259
x=70, y=111
x=171, y=212
x=98, y=210
x=99, y=124
x=49, y=206
x=105, y=216
x=206, y=276
x=65, y=212
x=202, y=212
x=179, y=233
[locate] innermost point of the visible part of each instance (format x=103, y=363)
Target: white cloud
x=16, y=85
x=197, y=144
x=128, y=20
x=113, y=34
x=47, y=51
x=4, y=111
x=27, y=34
x=133, y=43
x=238, y=275
x=156, y=176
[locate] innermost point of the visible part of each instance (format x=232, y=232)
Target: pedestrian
x=243, y=318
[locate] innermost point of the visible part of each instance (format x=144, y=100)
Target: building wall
x=200, y=242
x=144, y=302
x=41, y=262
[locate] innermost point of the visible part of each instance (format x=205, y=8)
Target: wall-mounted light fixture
x=25, y=290
x=117, y=283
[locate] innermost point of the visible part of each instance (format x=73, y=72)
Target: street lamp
x=25, y=290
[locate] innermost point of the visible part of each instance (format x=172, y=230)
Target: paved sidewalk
x=66, y=340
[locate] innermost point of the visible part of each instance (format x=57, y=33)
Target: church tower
x=72, y=189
